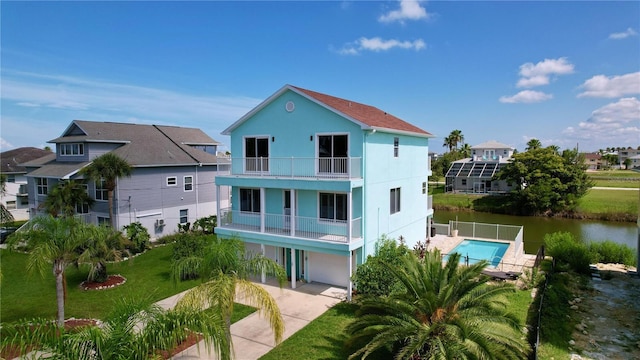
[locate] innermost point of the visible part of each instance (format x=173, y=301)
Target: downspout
x=117, y=204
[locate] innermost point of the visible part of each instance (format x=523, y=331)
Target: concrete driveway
x=252, y=336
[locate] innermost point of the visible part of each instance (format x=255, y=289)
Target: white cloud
x=526, y=96
x=5, y=145
x=623, y=35
x=539, y=74
x=614, y=123
x=409, y=10
x=611, y=87
x=377, y=44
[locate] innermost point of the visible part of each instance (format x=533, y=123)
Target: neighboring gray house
x=16, y=197
x=475, y=174
x=173, y=178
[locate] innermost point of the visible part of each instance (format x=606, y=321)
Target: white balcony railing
x=286, y=225
x=323, y=167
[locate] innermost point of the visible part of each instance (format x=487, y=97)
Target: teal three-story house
x=315, y=180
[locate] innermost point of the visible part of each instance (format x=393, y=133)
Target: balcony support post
x=350, y=288
x=293, y=268
x=262, y=207
x=263, y=275
x=292, y=223
x=218, y=204
x=349, y=215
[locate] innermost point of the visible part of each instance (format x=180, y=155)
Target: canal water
x=536, y=227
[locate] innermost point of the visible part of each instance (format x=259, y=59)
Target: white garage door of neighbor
x=329, y=269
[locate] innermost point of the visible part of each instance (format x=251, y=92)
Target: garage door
x=329, y=269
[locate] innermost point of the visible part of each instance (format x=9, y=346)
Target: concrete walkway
x=252, y=336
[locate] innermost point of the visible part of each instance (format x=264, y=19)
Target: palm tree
x=445, y=312
x=133, y=330
x=226, y=268
x=65, y=198
x=52, y=242
x=108, y=168
x=533, y=144
x=449, y=143
x=103, y=244
x=465, y=151
x=456, y=137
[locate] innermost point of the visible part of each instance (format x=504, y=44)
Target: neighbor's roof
x=492, y=144
x=144, y=145
x=368, y=117
x=593, y=156
x=11, y=161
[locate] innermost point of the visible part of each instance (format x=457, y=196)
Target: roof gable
x=366, y=116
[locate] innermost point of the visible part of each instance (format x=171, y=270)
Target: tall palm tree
x=66, y=197
x=456, y=137
x=52, y=242
x=533, y=144
x=449, y=143
x=226, y=269
x=445, y=312
x=108, y=168
x=134, y=330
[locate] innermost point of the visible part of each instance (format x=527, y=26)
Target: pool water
x=478, y=250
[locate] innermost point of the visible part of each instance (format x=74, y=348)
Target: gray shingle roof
x=11, y=161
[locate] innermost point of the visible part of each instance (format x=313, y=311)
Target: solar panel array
x=479, y=169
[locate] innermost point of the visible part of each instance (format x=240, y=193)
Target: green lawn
x=617, y=183
x=25, y=295
x=611, y=174
x=609, y=202
x=324, y=337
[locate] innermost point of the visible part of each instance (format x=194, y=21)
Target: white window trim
x=184, y=183
x=244, y=151
x=95, y=193
x=70, y=145
x=332, y=221
x=175, y=180
x=180, y=216
x=42, y=186
x=317, y=147
x=244, y=212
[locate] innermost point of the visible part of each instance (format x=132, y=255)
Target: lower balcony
x=335, y=231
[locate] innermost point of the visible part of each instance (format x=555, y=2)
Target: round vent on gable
x=290, y=106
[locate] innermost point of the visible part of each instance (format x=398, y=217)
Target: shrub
x=609, y=252
x=188, y=249
x=206, y=224
x=372, y=277
x=568, y=253
x=138, y=237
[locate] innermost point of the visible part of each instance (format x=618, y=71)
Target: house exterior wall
x=13, y=199
x=384, y=172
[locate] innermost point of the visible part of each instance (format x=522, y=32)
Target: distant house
x=627, y=153
x=173, y=178
x=16, y=197
x=593, y=161
x=319, y=179
x=635, y=162
x=475, y=174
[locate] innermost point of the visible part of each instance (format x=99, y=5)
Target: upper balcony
x=487, y=157
x=296, y=167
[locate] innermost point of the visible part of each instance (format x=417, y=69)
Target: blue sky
x=565, y=73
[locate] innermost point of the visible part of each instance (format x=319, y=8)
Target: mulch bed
x=112, y=281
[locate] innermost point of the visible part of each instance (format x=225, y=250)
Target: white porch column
x=293, y=268
x=350, y=288
x=262, y=207
x=263, y=276
x=218, y=203
x=349, y=215
x=292, y=222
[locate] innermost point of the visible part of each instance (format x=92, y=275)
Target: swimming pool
x=478, y=250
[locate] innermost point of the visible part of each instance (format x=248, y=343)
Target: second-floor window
x=188, y=183
x=250, y=200
x=333, y=153
x=394, y=200
x=102, y=193
x=332, y=206
x=42, y=186
x=256, y=152
x=71, y=149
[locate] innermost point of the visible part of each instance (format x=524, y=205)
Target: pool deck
x=510, y=261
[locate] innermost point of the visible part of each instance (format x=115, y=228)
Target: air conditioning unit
x=159, y=222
